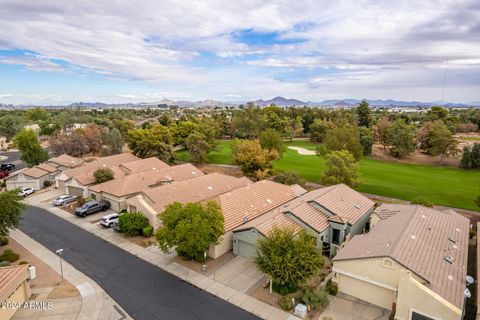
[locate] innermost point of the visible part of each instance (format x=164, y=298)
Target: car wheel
x=63, y=203
x=104, y=208
x=110, y=225
x=84, y=215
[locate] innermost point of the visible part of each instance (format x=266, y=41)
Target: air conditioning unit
x=32, y=273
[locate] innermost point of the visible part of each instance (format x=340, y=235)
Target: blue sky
x=56, y=52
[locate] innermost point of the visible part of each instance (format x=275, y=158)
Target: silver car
x=63, y=200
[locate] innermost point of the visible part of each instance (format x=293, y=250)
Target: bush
x=422, y=201
x=3, y=184
x=284, y=290
x=147, y=231
x=3, y=241
x=4, y=263
x=24, y=262
x=132, y=223
x=289, y=178
x=47, y=183
x=472, y=233
x=331, y=288
x=9, y=255
x=285, y=303
x=103, y=175
x=315, y=298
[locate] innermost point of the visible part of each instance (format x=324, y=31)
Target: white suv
x=26, y=191
x=109, y=220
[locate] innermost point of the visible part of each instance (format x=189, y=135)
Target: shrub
x=315, y=298
x=132, y=223
x=285, y=303
x=289, y=178
x=9, y=255
x=147, y=231
x=103, y=175
x=4, y=263
x=422, y=201
x=284, y=290
x=3, y=184
x=472, y=233
x=47, y=183
x=24, y=262
x=331, y=288
x=3, y=241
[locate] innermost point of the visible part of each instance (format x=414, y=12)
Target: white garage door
x=114, y=205
x=11, y=185
x=75, y=191
x=366, y=291
x=246, y=249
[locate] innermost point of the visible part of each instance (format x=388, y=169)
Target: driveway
x=142, y=289
x=346, y=307
x=239, y=273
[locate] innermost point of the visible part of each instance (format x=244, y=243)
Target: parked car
x=4, y=174
x=92, y=207
x=109, y=220
x=63, y=200
x=26, y=191
x=7, y=167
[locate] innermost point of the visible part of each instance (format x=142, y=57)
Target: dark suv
x=7, y=167
x=92, y=207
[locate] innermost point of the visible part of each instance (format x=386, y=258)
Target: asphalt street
x=13, y=157
x=143, y=290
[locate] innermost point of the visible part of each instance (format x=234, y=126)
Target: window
x=336, y=236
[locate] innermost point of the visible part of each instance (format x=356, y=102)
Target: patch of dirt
x=64, y=290
x=417, y=157
x=212, y=264
x=138, y=240
x=223, y=169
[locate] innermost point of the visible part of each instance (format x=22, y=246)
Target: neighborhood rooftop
x=431, y=243
x=66, y=161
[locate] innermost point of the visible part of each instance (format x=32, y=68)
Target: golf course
x=447, y=186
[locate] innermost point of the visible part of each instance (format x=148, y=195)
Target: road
x=143, y=290
x=13, y=157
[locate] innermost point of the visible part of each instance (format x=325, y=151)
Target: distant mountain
x=280, y=101
x=88, y=105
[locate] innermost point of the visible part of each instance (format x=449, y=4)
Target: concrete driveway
x=345, y=307
x=239, y=273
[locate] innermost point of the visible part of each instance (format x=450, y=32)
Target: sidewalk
x=95, y=303
x=165, y=262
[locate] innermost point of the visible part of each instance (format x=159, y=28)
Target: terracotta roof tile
x=47, y=167
x=66, y=161
x=10, y=278
x=144, y=165
x=419, y=239
x=35, y=172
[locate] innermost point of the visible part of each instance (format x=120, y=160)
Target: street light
x=59, y=253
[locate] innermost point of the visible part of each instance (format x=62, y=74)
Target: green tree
x=471, y=157
x=65, y=121
x=363, y=114
x=132, y=223
x=318, y=130
x=123, y=125
x=10, y=125
x=31, y=151
x=10, y=211
x=400, y=138
x=366, y=140
x=182, y=130
x=198, y=147
x=437, y=113
x=156, y=141
x=288, y=258
x=344, y=137
x=294, y=128
x=341, y=168
x=113, y=141
x=466, y=161
x=252, y=159
x=381, y=130
x=439, y=140
x=249, y=122
x=103, y=175
x=37, y=114
x=289, y=178
x=270, y=139
x=190, y=228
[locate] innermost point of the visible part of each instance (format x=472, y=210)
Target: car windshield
x=85, y=206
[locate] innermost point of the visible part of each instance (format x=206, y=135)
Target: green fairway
x=442, y=185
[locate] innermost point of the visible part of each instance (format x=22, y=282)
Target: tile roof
x=66, y=161
x=144, y=165
x=10, y=278
x=193, y=190
x=84, y=174
x=35, y=172
x=135, y=183
x=386, y=210
x=419, y=239
x=249, y=202
x=47, y=167
x=311, y=216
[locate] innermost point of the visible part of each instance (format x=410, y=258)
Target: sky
x=58, y=52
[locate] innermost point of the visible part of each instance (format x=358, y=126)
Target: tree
x=295, y=128
x=132, y=223
x=197, y=147
x=10, y=125
x=341, y=168
x=288, y=258
x=253, y=160
x=152, y=142
x=436, y=139
x=103, y=175
x=363, y=114
x=466, y=161
x=190, y=228
x=93, y=138
x=289, y=178
x=113, y=141
x=400, y=137
x=471, y=157
x=182, y=130
x=37, y=114
x=318, y=130
x=65, y=120
x=381, y=130
x=31, y=151
x=270, y=139
x=366, y=140
x=10, y=211
x=437, y=113
x=343, y=137
x=73, y=144
x=123, y=126
x=249, y=122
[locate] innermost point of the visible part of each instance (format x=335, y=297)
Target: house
x=246, y=204
x=152, y=201
x=332, y=215
x=14, y=288
x=117, y=191
x=64, y=162
x=416, y=259
x=76, y=180
x=34, y=177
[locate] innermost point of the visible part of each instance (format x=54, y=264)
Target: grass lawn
x=442, y=185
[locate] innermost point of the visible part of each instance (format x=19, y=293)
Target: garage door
x=366, y=291
x=75, y=191
x=114, y=205
x=22, y=184
x=246, y=249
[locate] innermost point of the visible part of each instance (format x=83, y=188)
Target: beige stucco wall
x=413, y=296
x=225, y=245
x=374, y=219
x=139, y=204
x=22, y=181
